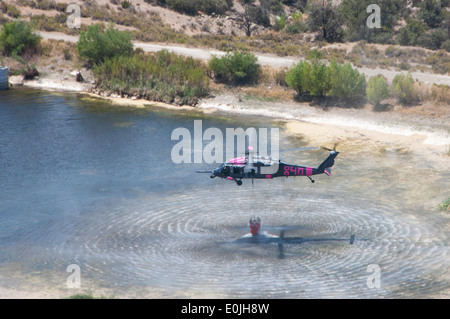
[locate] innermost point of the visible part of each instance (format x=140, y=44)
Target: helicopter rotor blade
x=330, y=149
x=204, y=171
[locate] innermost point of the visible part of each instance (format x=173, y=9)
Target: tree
x=438, y=37
x=377, y=89
x=346, y=83
x=247, y=21
x=259, y=15
x=299, y=4
x=410, y=34
x=323, y=17
x=431, y=12
x=354, y=16
x=295, y=78
x=96, y=45
x=17, y=37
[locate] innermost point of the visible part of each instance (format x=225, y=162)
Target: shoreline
x=419, y=133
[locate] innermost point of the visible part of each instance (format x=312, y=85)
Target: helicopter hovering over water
x=253, y=167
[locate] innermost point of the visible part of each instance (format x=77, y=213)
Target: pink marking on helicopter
x=240, y=160
x=237, y=160
x=297, y=171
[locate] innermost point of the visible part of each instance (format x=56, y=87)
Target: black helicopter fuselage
x=259, y=167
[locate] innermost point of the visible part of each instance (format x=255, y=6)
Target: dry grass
x=440, y=94
x=434, y=101
x=362, y=54
x=436, y=94
x=271, y=76
x=267, y=93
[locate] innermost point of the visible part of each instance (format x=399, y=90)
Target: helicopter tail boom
x=328, y=163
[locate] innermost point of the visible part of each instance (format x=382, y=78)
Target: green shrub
x=438, y=37
x=377, y=89
x=445, y=205
x=192, y=7
x=46, y=23
x=280, y=23
x=30, y=72
x=431, y=12
x=315, y=79
x=236, y=68
x=17, y=37
x=295, y=78
x=96, y=45
x=126, y=4
x=215, y=6
x=346, y=83
x=184, y=6
x=410, y=34
x=297, y=16
x=404, y=89
x=164, y=77
x=295, y=27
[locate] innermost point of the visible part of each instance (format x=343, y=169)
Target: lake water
x=90, y=184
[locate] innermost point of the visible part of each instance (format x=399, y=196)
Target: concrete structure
x=4, y=78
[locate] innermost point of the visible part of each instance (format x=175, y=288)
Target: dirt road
x=264, y=59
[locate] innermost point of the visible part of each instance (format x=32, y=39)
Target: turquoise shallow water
x=87, y=183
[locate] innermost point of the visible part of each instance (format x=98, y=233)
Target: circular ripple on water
x=186, y=242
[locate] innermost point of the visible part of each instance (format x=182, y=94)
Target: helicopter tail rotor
x=326, y=165
x=330, y=149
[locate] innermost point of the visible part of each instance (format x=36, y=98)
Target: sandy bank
x=349, y=127
x=51, y=84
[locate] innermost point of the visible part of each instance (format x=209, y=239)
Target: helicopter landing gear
x=239, y=182
x=312, y=181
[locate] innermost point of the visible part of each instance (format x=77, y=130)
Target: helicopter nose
x=212, y=176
